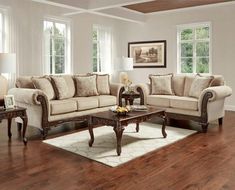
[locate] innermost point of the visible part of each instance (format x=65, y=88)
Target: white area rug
x=148, y=139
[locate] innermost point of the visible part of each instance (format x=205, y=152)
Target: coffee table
x=120, y=122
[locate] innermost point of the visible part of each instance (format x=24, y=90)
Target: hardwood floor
x=201, y=161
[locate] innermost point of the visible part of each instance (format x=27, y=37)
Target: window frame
x=5, y=30
x=67, y=46
x=98, y=66
x=193, y=26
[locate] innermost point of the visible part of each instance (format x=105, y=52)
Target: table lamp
x=125, y=65
x=7, y=66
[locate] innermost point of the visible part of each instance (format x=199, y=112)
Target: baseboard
x=229, y=107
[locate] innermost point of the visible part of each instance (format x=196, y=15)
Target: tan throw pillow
x=45, y=85
x=103, y=86
x=60, y=87
x=199, y=84
x=161, y=84
x=178, y=84
x=86, y=86
x=188, y=83
x=24, y=82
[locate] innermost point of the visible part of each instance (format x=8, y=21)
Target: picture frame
x=9, y=101
x=148, y=54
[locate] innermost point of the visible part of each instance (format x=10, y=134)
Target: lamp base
x=123, y=76
x=3, y=89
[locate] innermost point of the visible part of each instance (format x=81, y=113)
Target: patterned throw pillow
x=60, y=86
x=161, y=84
x=103, y=85
x=86, y=86
x=199, y=84
x=45, y=85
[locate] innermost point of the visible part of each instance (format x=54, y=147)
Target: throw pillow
x=199, y=84
x=86, y=86
x=60, y=87
x=45, y=85
x=161, y=84
x=103, y=86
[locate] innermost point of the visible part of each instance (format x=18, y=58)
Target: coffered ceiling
x=128, y=10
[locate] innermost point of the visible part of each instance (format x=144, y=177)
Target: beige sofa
x=46, y=107
x=188, y=100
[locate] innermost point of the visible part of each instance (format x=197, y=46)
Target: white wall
x=162, y=26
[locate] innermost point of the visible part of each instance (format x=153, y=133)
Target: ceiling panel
x=163, y=5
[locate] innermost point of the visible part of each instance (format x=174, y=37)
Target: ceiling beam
x=107, y=4
x=117, y=12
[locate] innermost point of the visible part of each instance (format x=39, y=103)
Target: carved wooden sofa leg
x=220, y=121
x=204, y=127
x=44, y=133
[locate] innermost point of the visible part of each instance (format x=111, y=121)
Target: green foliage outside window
x=195, y=49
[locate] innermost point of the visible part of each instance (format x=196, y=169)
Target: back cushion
x=178, y=84
x=24, y=82
x=187, y=84
x=217, y=81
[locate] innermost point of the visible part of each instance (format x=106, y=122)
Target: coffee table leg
x=9, y=128
x=90, y=127
x=118, y=131
x=25, y=123
x=164, y=126
x=137, y=127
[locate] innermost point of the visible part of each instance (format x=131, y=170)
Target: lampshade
x=126, y=64
x=7, y=63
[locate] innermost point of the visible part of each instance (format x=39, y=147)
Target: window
x=194, y=48
x=56, y=47
x=3, y=31
x=102, y=42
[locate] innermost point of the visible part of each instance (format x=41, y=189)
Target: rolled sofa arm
x=27, y=96
x=115, y=88
x=218, y=92
x=144, y=90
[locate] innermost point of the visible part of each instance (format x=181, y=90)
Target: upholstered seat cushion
x=62, y=106
x=182, y=102
x=85, y=103
x=107, y=100
x=159, y=100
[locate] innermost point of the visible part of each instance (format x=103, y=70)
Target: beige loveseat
x=187, y=97
x=65, y=98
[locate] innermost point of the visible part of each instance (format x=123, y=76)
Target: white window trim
x=5, y=33
x=68, y=45
x=193, y=25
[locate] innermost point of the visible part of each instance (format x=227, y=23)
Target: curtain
x=104, y=38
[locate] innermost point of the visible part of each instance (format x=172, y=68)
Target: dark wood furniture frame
x=202, y=119
x=120, y=122
x=13, y=113
x=129, y=97
x=46, y=125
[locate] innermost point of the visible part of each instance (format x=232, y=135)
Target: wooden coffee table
x=120, y=122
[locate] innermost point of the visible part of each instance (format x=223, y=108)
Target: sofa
x=53, y=100
x=187, y=97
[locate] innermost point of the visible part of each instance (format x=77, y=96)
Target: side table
x=9, y=114
x=129, y=97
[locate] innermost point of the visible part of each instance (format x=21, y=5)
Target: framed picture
x=148, y=53
x=9, y=101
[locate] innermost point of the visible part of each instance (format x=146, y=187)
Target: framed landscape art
x=148, y=53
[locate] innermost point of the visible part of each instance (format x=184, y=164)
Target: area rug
x=134, y=144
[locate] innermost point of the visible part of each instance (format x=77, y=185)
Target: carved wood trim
x=141, y=95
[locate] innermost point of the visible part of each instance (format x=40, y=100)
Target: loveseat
x=53, y=100
x=187, y=97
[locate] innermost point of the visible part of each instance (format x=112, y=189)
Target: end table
x=129, y=97
x=11, y=113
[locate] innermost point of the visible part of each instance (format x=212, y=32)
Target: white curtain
x=104, y=38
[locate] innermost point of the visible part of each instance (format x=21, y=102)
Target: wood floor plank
x=201, y=161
